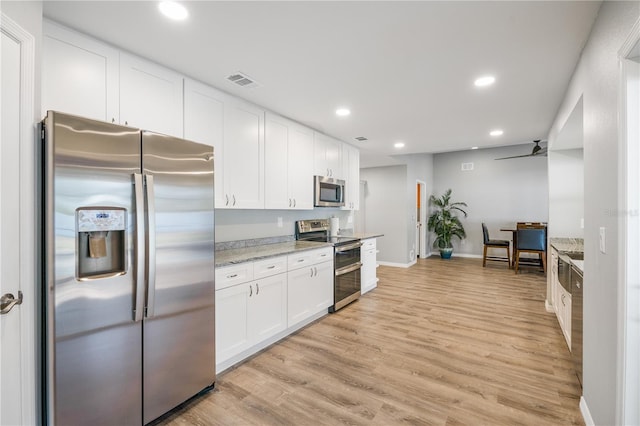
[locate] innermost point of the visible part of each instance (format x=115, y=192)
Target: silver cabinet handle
x=562, y=300
x=315, y=270
x=234, y=199
x=294, y=202
x=151, y=247
x=250, y=290
x=257, y=289
x=138, y=304
x=226, y=200
x=113, y=120
x=311, y=269
x=289, y=202
x=577, y=284
x=271, y=267
x=232, y=276
x=7, y=302
x=300, y=260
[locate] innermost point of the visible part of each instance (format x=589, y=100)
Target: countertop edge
x=251, y=254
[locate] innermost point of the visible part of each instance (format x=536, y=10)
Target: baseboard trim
x=586, y=414
x=397, y=265
x=469, y=255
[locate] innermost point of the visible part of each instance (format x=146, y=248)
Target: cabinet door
x=351, y=171
x=244, y=156
x=232, y=330
x=300, y=159
x=298, y=304
x=327, y=156
x=321, y=291
x=204, y=122
x=276, y=143
x=268, y=307
x=79, y=74
x=368, y=277
x=150, y=96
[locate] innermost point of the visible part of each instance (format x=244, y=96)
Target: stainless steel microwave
x=328, y=192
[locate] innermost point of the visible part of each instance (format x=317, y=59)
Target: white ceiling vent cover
x=242, y=80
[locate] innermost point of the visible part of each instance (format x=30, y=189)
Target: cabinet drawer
x=298, y=260
x=270, y=266
x=233, y=274
x=322, y=255
x=369, y=244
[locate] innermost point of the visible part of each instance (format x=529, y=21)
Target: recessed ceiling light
x=496, y=132
x=474, y=147
x=486, y=80
x=173, y=10
x=398, y=145
x=342, y=112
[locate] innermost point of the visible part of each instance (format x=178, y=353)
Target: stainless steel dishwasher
x=576, y=320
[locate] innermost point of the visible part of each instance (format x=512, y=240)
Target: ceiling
x=404, y=69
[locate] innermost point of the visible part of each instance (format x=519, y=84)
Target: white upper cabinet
x=327, y=156
x=79, y=75
x=204, y=123
x=150, y=96
x=243, y=156
x=351, y=169
x=288, y=164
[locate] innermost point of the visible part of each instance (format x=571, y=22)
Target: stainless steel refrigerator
x=128, y=272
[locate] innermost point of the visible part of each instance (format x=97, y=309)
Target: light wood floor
x=443, y=342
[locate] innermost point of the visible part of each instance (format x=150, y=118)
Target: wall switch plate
x=279, y=222
x=603, y=244
x=350, y=219
x=582, y=223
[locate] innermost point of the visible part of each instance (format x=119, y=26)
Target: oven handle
x=341, y=249
x=348, y=269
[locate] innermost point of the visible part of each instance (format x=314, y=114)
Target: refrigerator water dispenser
x=100, y=242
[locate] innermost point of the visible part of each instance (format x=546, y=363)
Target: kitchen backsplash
x=236, y=225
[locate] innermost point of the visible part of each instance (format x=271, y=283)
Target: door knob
x=7, y=302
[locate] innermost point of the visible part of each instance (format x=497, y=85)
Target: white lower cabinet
x=259, y=302
x=368, y=278
x=310, y=291
x=310, y=284
x=249, y=312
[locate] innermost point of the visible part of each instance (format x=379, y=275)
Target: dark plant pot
x=445, y=253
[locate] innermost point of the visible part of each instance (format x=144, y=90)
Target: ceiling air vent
x=361, y=139
x=242, y=80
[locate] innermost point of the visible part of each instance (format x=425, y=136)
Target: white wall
x=385, y=203
x=597, y=80
x=566, y=193
x=497, y=192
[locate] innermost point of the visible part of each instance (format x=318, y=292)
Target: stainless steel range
x=347, y=264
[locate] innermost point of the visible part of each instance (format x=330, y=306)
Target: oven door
x=346, y=286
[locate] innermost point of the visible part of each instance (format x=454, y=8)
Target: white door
x=17, y=324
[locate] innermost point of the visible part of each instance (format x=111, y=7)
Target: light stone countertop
x=567, y=245
x=361, y=235
x=246, y=254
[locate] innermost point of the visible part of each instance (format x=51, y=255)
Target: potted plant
x=444, y=222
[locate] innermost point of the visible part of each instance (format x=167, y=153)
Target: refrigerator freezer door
x=179, y=328
x=93, y=345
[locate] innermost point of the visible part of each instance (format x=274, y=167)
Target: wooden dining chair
x=532, y=240
x=489, y=243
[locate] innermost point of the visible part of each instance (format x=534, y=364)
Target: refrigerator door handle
x=151, y=246
x=138, y=304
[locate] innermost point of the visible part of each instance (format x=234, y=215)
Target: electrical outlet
x=603, y=245
x=279, y=222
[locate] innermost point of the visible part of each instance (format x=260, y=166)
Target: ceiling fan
x=537, y=151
